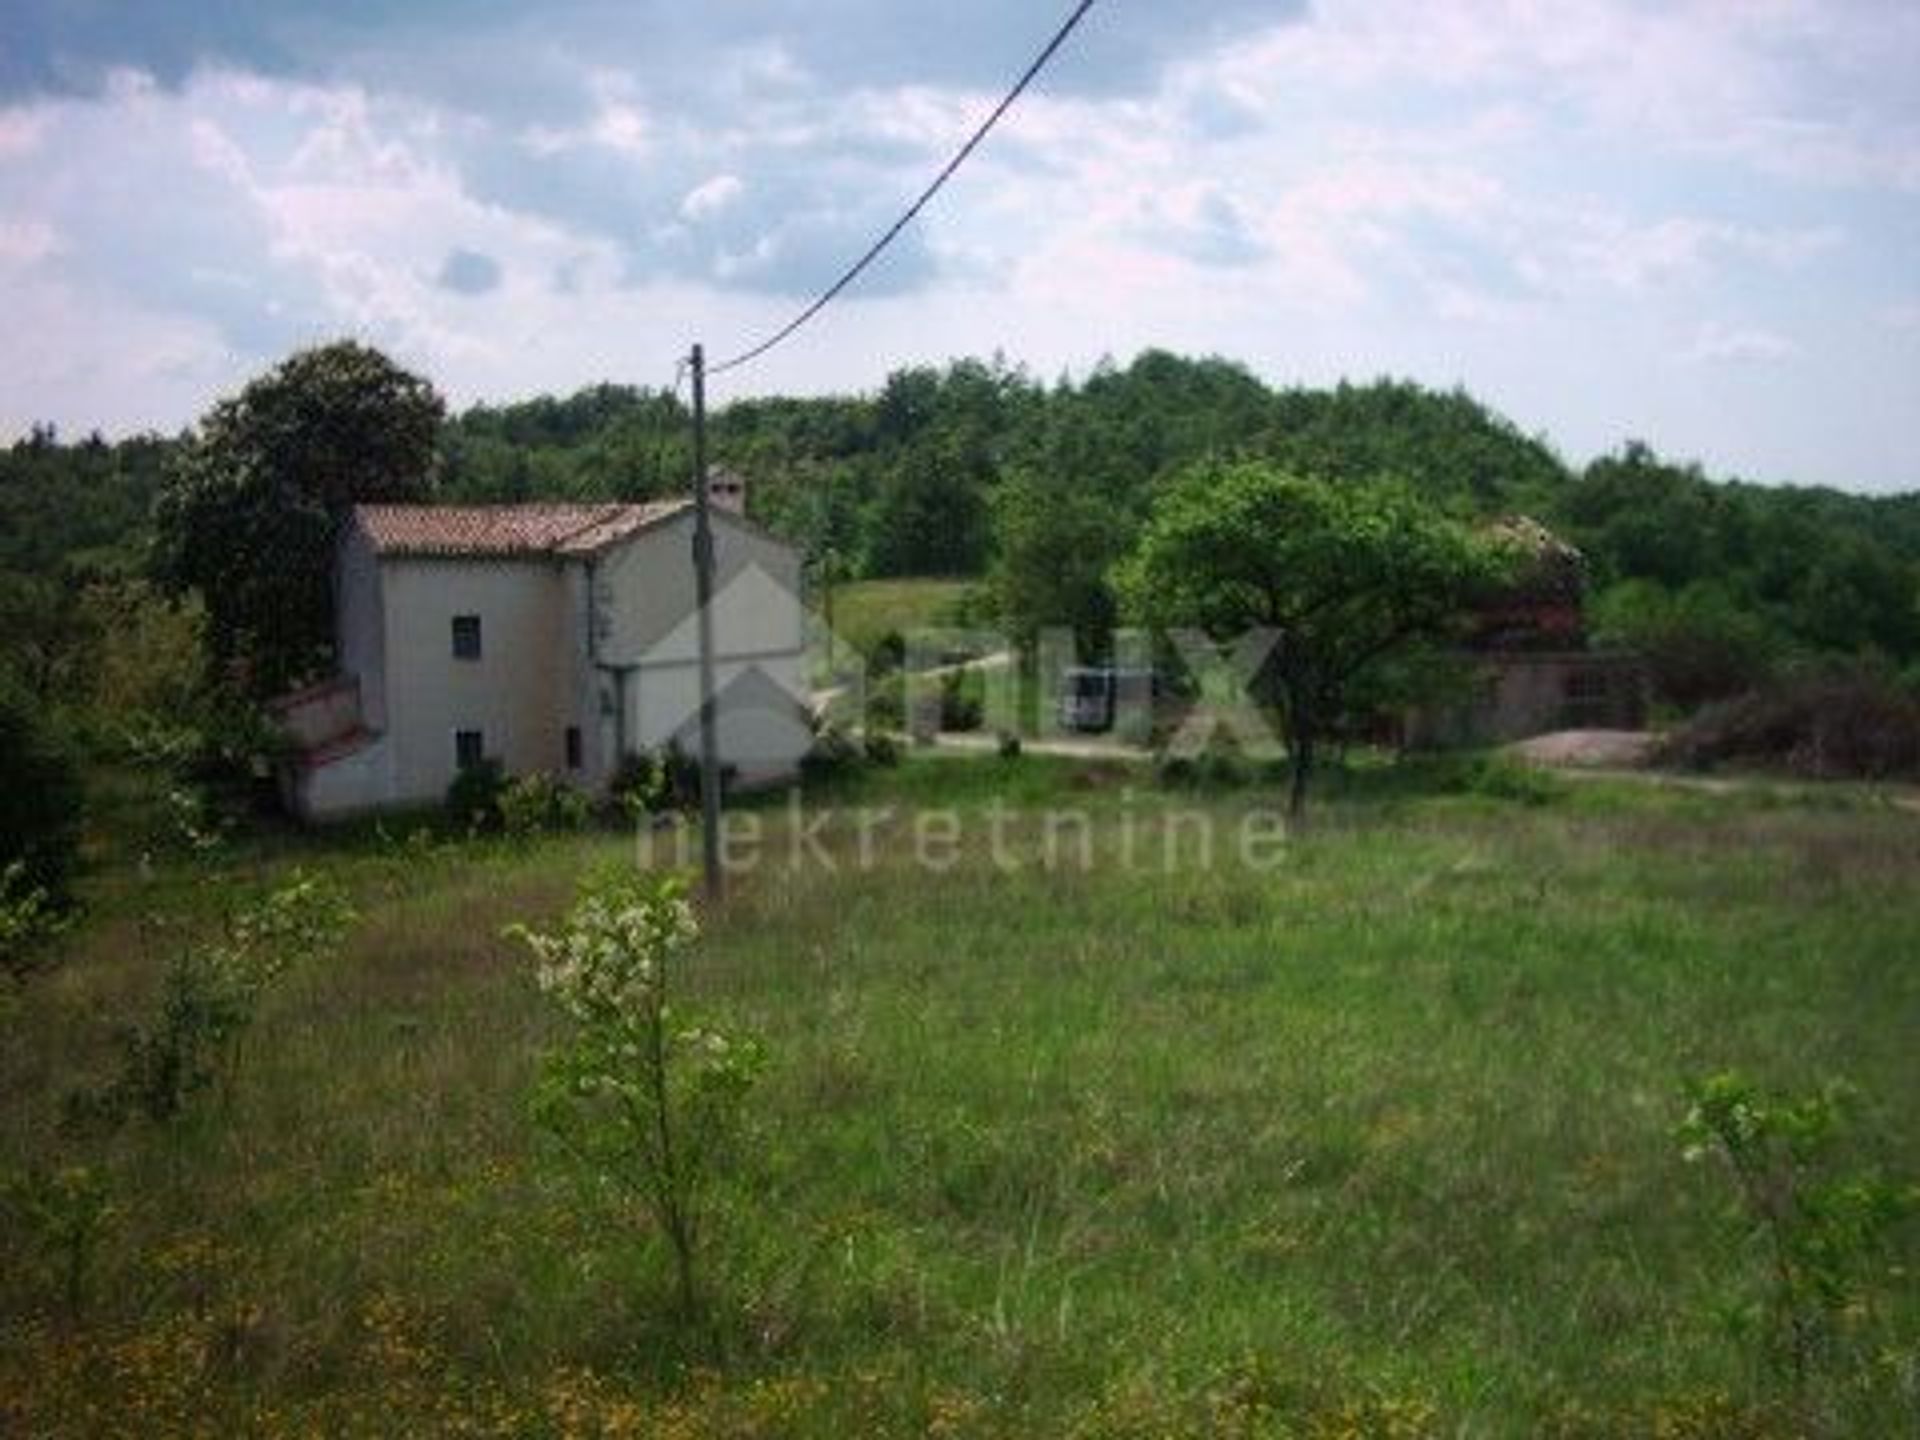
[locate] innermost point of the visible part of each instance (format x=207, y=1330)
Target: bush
x=638, y=784
x=882, y=748
x=532, y=804
x=210, y=995
x=1824, y=1225
x=63, y=1214
x=682, y=772
x=833, y=754
x=40, y=799
x=473, y=799
x=889, y=654
x=1497, y=777
x=28, y=922
x=1824, y=723
x=962, y=700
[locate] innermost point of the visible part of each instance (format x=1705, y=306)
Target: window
x=573, y=747
x=469, y=749
x=1588, y=699
x=466, y=637
x=1587, y=685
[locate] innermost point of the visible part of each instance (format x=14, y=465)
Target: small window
x=466, y=637
x=469, y=748
x=1589, y=699
x=1587, y=685
x=573, y=747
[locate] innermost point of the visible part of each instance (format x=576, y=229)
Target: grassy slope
x=865, y=610
x=1382, y=1137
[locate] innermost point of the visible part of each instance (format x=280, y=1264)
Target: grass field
x=1376, y=1139
x=865, y=610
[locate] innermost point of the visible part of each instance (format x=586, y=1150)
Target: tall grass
x=1376, y=1141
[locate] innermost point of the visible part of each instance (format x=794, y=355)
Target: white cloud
x=711, y=196
x=1739, y=344
x=618, y=123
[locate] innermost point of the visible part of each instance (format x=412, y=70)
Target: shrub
x=209, y=997
x=1822, y=723
x=832, y=754
x=638, y=784
x=888, y=655
x=63, y=1213
x=1822, y=1230
x=962, y=700
x=473, y=799
x=1008, y=745
x=881, y=748
x=533, y=804
x=682, y=776
x=28, y=922
x=1498, y=777
x=40, y=799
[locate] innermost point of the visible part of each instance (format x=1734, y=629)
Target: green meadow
x=1065, y=1132
x=866, y=611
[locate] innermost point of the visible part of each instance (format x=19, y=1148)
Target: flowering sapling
x=640, y=1093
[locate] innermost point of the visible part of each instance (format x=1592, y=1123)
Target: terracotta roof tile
x=505, y=530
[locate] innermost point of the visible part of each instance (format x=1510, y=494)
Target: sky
x=1694, y=223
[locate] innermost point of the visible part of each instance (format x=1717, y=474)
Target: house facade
x=553, y=638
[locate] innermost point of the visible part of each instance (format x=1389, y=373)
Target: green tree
x=251, y=506
x=1346, y=576
x=930, y=515
x=50, y=637
x=1698, y=643
x=1057, y=541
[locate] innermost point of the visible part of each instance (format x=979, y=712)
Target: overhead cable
x=873, y=251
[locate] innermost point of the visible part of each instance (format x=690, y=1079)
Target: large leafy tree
x=252, y=504
x=1348, y=576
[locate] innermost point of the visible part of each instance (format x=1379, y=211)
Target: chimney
x=726, y=490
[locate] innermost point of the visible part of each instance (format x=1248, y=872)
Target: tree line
x=1037, y=490
x=977, y=469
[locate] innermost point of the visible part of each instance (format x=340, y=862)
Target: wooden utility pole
x=703, y=599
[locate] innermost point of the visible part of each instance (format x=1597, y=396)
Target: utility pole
x=703, y=599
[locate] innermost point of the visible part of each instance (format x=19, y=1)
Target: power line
x=959, y=159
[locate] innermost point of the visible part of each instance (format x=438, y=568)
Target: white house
x=552, y=638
